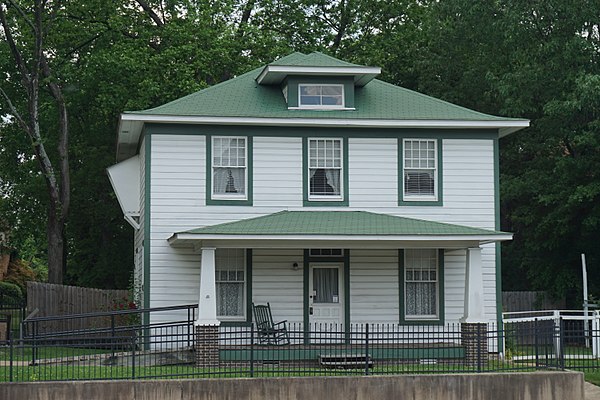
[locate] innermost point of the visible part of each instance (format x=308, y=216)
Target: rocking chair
x=269, y=333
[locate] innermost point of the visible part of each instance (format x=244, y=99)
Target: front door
x=326, y=295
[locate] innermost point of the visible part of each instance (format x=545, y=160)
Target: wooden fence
x=51, y=299
x=530, y=301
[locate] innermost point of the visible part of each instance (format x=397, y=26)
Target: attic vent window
x=320, y=96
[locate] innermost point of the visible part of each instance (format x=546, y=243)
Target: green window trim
x=343, y=202
x=441, y=304
x=248, y=201
x=439, y=178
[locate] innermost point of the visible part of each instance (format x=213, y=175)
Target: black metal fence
x=141, y=344
x=13, y=312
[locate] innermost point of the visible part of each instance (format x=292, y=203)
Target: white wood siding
x=178, y=204
x=374, y=287
x=275, y=282
x=277, y=172
x=373, y=173
x=138, y=234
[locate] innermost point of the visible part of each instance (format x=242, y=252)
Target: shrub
x=9, y=292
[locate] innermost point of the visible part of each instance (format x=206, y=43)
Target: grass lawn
x=43, y=352
x=53, y=372
x=592, y=376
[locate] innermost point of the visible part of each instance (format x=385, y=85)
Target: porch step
x=345, y=360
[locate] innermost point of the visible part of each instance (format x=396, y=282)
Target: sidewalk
x=592, y=392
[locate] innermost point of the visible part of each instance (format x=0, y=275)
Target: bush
x=10, y=293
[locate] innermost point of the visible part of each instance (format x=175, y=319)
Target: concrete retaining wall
x=517, y=386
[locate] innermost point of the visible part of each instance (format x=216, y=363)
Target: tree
x=537, y=60
x=25, y=32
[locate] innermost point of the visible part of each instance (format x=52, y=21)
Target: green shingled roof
x=338, y=223
x=243, y=97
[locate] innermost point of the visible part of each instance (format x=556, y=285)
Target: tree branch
x=13, y=48
x=569, y=147
x=23, y=15
x=245, y=17
x=150, y=12
x=16, y=113
x=63, y=141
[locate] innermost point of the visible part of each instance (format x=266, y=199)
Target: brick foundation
x=207, y=346
x=475, y=343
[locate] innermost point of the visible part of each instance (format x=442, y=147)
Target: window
x=320, y=96
x=229, y=168
x=230, y=277
x=420, y=169
x=421, y=284
x=326, y=252
x=325, y=169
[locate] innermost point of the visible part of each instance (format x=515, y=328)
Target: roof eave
x=505, y=131
x=186, y=238
x=131, y=124
x=275, y=74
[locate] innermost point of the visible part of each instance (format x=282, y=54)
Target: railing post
x=535, y=343
x=11, y=343
x=595, y=333
x=367, y=349
x=252, y=351
x=562, y=344
x=478, y=347
x=190, y=323
x=132, y=357
x=34, y=343
x=557, y=333
x=112, y=331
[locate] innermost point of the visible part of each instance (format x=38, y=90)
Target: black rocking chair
x=268, y=332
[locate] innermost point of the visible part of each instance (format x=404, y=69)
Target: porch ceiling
x=335, y=229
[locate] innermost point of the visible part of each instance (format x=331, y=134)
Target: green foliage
x=10, y=292
x=538, y=60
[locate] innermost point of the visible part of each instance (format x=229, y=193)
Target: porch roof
x=345, y=228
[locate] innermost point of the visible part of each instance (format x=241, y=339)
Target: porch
x=344, y=268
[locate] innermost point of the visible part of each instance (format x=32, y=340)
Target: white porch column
x=474, y=309
x=207, y=303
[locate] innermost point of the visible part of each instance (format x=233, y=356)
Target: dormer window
x=320, y=96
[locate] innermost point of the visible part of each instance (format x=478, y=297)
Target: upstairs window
x=229, y=168
x=420, y=169
x=320, y=96
x=325, y=169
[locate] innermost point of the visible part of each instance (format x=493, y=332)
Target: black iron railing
x=165, y=343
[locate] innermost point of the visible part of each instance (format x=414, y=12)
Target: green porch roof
x=339, y=223
x=244, y=97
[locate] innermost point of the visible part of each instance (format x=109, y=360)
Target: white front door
x=326, y=295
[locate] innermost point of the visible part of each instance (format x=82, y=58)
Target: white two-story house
x=311, y=185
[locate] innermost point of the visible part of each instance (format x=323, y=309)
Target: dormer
x=318, y=87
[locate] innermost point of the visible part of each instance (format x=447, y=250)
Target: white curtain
x=420, y=298
x=230, y=298
x=229, y=180
x=325, y=284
